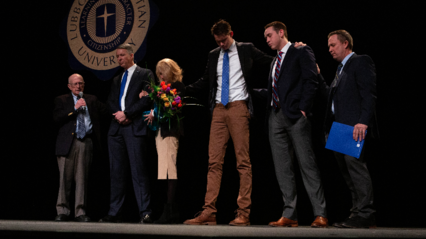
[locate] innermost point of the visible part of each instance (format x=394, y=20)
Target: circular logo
x=96, y=27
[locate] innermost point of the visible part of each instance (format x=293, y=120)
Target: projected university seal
x=96, y=27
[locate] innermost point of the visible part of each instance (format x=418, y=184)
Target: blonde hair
x=170, y=69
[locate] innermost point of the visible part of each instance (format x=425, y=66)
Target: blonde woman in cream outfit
x=167, y=140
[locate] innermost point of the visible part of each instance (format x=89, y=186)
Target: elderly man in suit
x=79, y=124
x=127, y=136
x=228, y=76
x=352, y=101
x=291, y=89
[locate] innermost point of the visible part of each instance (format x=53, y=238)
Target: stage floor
x=47, y=229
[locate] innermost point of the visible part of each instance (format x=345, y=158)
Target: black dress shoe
x=82, y=218
x=338, y=224
x=146, y=219
x=360, y=222
x=112, y=219
x=62, y=218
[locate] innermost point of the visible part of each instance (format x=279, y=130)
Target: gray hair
x=127, y=47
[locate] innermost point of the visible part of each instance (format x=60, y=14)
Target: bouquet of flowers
x=168, y=102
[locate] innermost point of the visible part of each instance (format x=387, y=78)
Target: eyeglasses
x=78, y=83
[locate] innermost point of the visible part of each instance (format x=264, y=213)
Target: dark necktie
x=81, y=131
x=225, y=79
x=336, y=78
x=122, y=87
x=277, y=72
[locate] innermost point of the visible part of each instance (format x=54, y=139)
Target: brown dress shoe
x=240, y=220
x=202, y=218
x=284, y=222
x=320, y=222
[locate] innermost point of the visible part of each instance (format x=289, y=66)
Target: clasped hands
x=121, y=118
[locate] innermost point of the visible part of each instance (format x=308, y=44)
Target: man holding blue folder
x=351, y=101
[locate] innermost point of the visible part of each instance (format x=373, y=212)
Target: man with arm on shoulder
x=228, y=77
x=291, y=89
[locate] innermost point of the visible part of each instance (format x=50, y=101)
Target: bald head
x=76, y=83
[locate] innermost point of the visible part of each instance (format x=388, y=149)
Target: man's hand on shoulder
x=299, y=44
x=359, y=132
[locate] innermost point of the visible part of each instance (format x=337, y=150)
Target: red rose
x=179, y=105
x=162, y=83
x=164, y=87
x=174, y=103
x=168, y=85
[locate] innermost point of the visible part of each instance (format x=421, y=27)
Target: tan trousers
x=167, y=149
x=232, y=120
x=74, y=167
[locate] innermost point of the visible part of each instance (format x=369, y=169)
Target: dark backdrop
x=37, y=70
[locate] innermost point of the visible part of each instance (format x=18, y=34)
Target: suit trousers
x=230, y=121
x=357, y=177
x=74, y=167
x=127, y=151
x=285, y=133
x=167, y=149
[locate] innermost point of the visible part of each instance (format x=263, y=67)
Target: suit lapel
x=343, y=74
x=213, y=75
x=241, y=57
x=132, y=82
x=287, y=57
x=70, y=101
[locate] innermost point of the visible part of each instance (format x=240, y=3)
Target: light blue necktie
x=81, y=130
x=225, y=79
x=122, y=87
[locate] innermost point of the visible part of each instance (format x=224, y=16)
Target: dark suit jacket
x=354, y=94
x=297, y=82
x=134, y=105
x=65, y=117
x=248, y=54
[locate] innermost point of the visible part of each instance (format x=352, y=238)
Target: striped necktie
x=336, y=78
x=277, y=72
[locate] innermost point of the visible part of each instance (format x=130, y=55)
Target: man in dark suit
x=127, y=136
x=352, y=101
x=79, y=124
x=291, y=89
x=228, y=76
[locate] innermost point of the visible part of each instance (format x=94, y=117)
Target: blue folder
x=341, y=140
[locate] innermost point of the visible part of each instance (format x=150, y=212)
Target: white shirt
x=129, y=77
x=284, y=50
x=237, y=84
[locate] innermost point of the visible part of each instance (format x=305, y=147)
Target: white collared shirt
x=284, y=50
x=129, y=77
x=237, y=84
